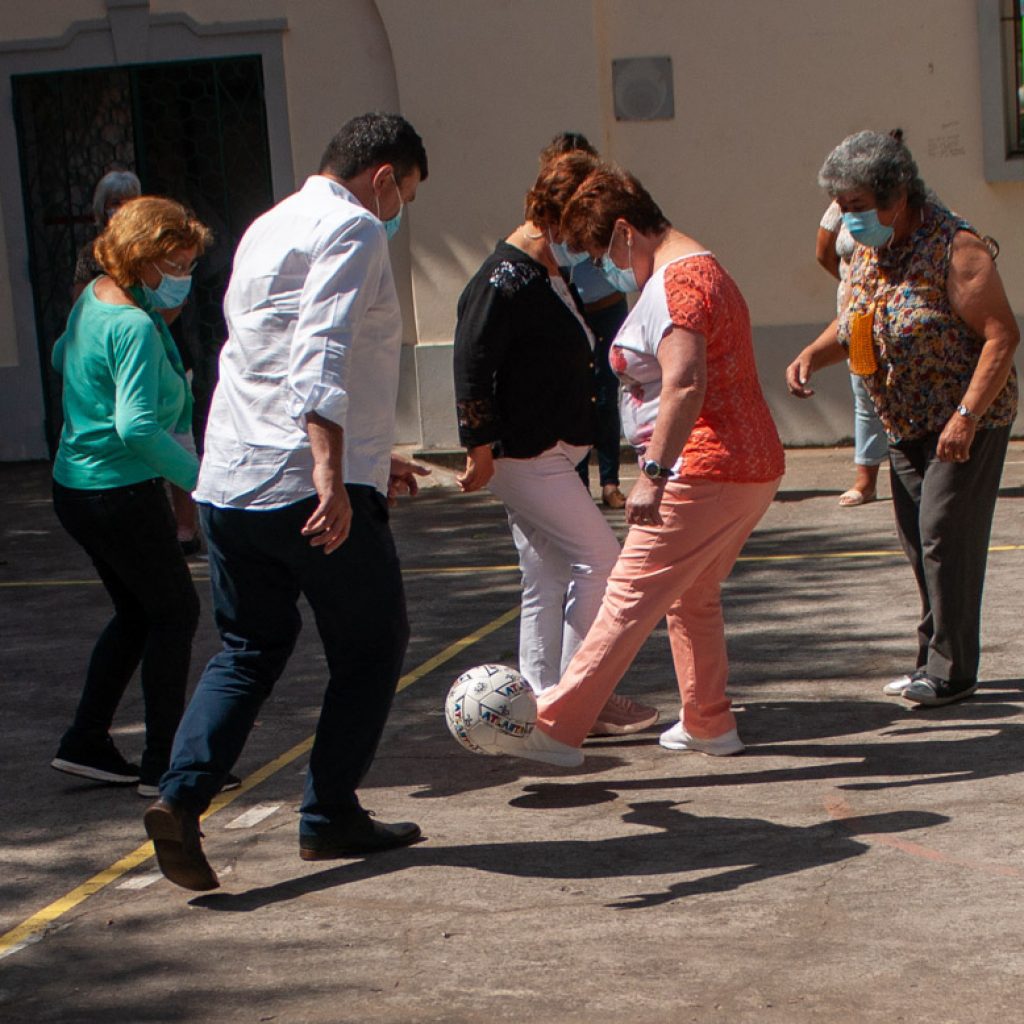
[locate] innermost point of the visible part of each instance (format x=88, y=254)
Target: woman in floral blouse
x=928, y=327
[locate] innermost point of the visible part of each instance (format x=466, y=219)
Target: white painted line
x=253, y=816
x=140, y=881
x=10, y=951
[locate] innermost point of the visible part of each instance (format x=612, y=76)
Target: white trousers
x=566, y=551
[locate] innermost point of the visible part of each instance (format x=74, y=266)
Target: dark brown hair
x=557, y=181
x=609, y=193
x=566, y=142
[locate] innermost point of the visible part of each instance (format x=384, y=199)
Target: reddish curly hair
x=607, y=195
x=143, y=230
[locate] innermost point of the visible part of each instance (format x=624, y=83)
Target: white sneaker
x=677, y=738
x=539, y=746
x=897, y=686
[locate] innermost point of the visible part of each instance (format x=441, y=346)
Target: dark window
x=192, y=130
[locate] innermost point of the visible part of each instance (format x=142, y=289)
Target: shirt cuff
x=329, y=402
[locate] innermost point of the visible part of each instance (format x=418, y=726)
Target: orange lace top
x=734, y=438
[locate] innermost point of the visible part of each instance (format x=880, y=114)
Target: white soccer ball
x=487, y=703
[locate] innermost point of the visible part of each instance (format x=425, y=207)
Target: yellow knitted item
x=863, y=361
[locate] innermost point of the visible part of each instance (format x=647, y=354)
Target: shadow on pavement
x=732, y=852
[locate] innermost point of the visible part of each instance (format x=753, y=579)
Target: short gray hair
x=115, y=185
x=875, y=161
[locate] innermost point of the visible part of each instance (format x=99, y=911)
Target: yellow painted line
x=469, y=570
x=456, y=648
x=33, y=928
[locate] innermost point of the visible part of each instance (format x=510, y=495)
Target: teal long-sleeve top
x=123, y=396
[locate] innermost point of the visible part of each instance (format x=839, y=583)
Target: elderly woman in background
x=524, y=386
x=710, y=462
x=929, y=329
x=125, y=396
x=834, y=248
x=112, y=190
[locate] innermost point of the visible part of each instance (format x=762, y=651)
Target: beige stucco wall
x=762, y=92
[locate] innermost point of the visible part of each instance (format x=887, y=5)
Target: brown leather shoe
x=179, y=849
x=612, y=496
x=360, y=836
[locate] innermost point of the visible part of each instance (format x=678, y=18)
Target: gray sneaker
x=933, y=692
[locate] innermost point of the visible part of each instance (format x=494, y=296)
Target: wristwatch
x=966, y=413
x=654, y=470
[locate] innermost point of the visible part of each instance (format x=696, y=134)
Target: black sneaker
x=99, y=760
x=361, y=835
x=932, y=692
x=151, y=788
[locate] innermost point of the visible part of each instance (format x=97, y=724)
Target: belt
x=604, y=303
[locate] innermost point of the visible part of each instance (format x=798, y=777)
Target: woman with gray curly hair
x=927, y=325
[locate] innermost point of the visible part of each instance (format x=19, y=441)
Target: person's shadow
x=727, y=852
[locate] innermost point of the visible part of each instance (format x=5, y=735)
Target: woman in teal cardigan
x=127, y=428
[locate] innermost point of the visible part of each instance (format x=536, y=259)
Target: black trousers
x=129, y=534
x=259, y=565
x=944, y=518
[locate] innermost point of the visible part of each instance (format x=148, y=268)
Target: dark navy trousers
x=259, y=566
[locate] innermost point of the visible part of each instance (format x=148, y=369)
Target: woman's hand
x=479, y=468
x=798, y=373
x=402, y=478
x=824, y=351
x=956, y=439
x=643, y=501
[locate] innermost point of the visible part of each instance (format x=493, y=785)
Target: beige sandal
x=853, y=497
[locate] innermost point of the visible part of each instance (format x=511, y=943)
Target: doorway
x=195, y=131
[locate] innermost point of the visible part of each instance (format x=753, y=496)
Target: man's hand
x=643, y=501
x=479, y=468
x=331, y=521
x=402, y=478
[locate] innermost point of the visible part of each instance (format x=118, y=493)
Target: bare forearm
x=326, y=441
x=990, y=375
x=678, y=410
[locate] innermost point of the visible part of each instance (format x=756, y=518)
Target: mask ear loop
x=376, y=197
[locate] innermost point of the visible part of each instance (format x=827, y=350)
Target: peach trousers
x=675, y=571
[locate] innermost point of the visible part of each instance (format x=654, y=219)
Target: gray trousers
x=944, y=518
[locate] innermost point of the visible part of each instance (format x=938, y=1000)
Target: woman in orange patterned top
x=928, y=327
x=710, y=462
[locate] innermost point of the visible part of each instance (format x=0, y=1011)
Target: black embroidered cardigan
x=524, y=368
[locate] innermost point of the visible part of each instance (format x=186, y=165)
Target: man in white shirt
x=293, y=494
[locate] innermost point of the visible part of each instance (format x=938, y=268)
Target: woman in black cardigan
x=524, y=388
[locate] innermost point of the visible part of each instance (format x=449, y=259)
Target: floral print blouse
x=926, y=354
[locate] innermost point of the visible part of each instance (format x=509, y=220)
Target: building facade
x=724, y=110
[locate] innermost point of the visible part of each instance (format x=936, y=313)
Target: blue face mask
x=170, y=293
x=564, y=256
x=392, y=224
x=867, y=229
x=623, y=280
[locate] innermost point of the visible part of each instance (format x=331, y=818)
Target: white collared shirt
x=313, y=326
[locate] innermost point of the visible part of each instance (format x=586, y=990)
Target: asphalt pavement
x=863, y=861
